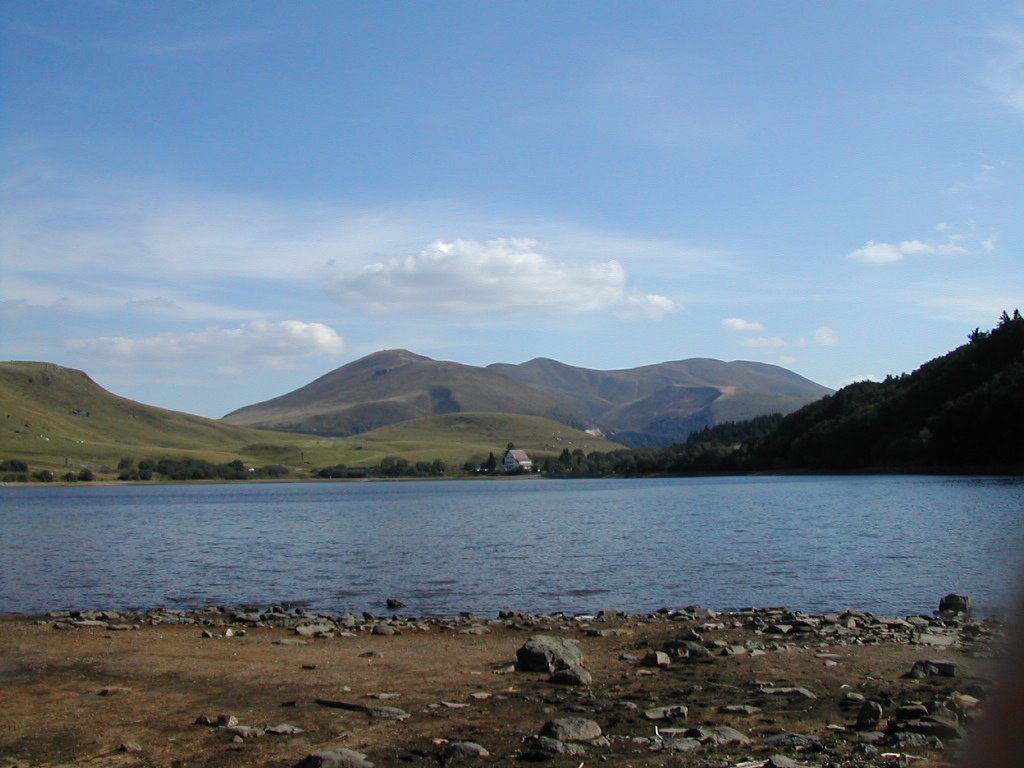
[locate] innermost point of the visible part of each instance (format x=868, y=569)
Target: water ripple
x=886, y=544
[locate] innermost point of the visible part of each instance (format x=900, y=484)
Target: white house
x=517, y=461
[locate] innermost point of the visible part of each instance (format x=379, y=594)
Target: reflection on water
x=886, y=544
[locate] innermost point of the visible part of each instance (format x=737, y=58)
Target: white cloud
x=505, y=275
x=878, y=253
x=826, y=337
x=739, y=324
x=952, y=247
x=989, y=244
x=787, y=359
x=910, y=247
x=1006, y=73
x=258, y=342
x=647, y=305
x=766, y=342
x=875, y=252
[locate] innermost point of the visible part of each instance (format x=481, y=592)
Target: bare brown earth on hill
x=126, y=690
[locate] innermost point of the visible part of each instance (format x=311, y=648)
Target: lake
x=884, y=544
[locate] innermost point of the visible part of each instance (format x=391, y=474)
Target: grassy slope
x=476, y=434
x=58, y=418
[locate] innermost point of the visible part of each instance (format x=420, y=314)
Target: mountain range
x=651, y=405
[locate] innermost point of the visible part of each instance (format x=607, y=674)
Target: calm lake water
x=884, y=544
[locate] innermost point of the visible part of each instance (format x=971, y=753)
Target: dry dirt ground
x=80, y=696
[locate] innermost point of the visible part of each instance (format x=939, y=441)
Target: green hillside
x=457, y=437
x=59, y=419
x=964, y=409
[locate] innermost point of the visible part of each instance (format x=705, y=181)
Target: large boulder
x=546, y=653
x=953, y=603
x=571, y=729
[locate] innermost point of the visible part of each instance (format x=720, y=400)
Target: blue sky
x=205, y=205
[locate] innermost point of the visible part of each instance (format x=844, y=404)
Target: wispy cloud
x=739, y=324
x=148, y=246
x=981, y=179
x=647, y=306
x=826, y=337
x=1005, y=75
x=251, y=345
x=766, y=342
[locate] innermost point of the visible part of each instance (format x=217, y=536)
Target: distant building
x=517, y=461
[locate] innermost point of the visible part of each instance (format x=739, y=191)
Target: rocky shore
x=281, y=686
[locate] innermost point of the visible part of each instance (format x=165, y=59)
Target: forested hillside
x=964, y=409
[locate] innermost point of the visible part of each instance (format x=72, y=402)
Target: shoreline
x=287, y=613
x=1006, y=471
x=731, y=687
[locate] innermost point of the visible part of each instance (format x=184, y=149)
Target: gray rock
x=478, y=629
x=463, y=749
x=393, y=604
x=954, y=603
x=717, y=735
x=314, y=630
x=796, y=741
x=571, y=729
x=546, y=653
x=388, y=713
x=932, y=725
x=904, y=740
x=686, y=649
x=656, y=659
x=242, y=731
x=572, y=676
x=334, y=758
x=384, y=629
x=791, y=691
x=911, y=711
x=129, y=746
x=661, y=714
x=931, y=668
x=284, y=729
x=869, y=716
x=544, y=748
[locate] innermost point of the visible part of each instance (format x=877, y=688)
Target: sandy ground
x=75, y=696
